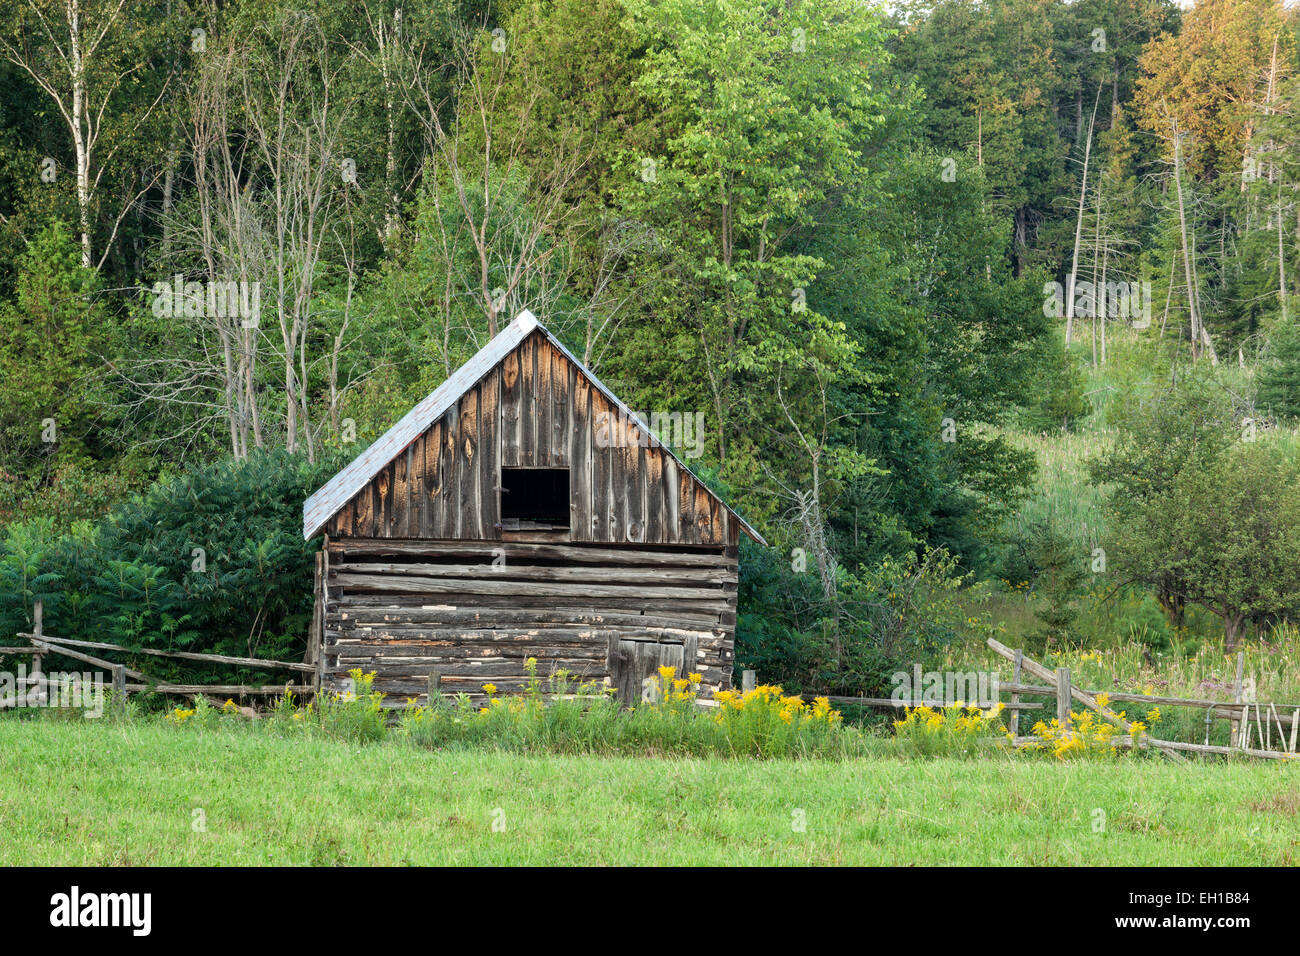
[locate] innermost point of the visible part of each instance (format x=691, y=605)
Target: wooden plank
x=562, y=385
x=498, y=640
x=47, y=645
x=449, y=669
x=1015, y=698
x=364, y=503
x=224, y=690
x=418, y=498
x=528, y=402
x=694, y=577
x=468, y=520
x=1171, y=747
x=402, y=494
x=383, y=486
x=1062, y=696
x=565, y=624
x=545, y=457
x=510, y=410
x=393, y=583
x=706, y=512
x=672, y=529
x=689, y=533
x=390, y=498
x=891, y=703
x=390, y=655
x=654, y=484
x=1236, y=690
x=604, y=524
x=489, y=471
x=627, y=481
x=449, y=466
x=396, y=618
x=580, y=442
x=598, y=553
x=720, y=610
x=430, y=522
x=342, y=523
x=182, y=655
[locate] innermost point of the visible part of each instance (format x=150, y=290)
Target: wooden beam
x=183, y=655
x=50, y=647
x=675, y=555
x=405, y=584
x=1043, y=673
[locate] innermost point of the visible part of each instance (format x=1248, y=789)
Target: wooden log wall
x=475, y=611
x=535, y=409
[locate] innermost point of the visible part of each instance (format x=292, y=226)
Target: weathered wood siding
x=475, y=611
x=534, y=409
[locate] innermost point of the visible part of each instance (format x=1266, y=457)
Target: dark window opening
x=535, y=496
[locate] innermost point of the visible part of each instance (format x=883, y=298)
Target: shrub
x=212, y=560
x=886, y=615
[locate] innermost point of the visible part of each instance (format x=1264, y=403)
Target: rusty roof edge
x=343, y=487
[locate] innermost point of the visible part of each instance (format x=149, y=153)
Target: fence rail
x=40, y=644
x=1063, y=691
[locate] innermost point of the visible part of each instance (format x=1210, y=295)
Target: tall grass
x=553, y=716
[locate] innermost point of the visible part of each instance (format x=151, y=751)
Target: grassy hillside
x=100, y=793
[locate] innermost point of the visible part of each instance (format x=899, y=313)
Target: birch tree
x=89, y=59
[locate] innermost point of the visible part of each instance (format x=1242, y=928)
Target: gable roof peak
x=326, y=502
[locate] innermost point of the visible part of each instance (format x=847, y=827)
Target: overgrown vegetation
x=989, y=305
x=211, y=560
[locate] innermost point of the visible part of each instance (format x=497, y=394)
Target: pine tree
x=1279, y=374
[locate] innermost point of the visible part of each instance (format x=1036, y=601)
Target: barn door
x=634, y=663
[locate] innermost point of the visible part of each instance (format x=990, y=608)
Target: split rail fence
x=126, y=680
x=1061, y=689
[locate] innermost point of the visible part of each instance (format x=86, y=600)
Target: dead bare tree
x=295, y=124
x=811, y=443
x=1078, y=225
x=512, y=202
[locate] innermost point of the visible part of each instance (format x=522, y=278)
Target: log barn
x=522, y=510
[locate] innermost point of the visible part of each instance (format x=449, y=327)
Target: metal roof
x=343, y=487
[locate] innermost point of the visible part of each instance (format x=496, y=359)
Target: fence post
x=1015, y=698
x=119, y=687
x=747, y=681
x=38, y=623
x=316, y=640
x=434, y=680
x=1236, y=694
x=1063, y=697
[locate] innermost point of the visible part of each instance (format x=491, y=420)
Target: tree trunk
x=1078, y=226
x=1233, y=626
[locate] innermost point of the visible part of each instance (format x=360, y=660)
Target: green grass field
x=111, y=794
